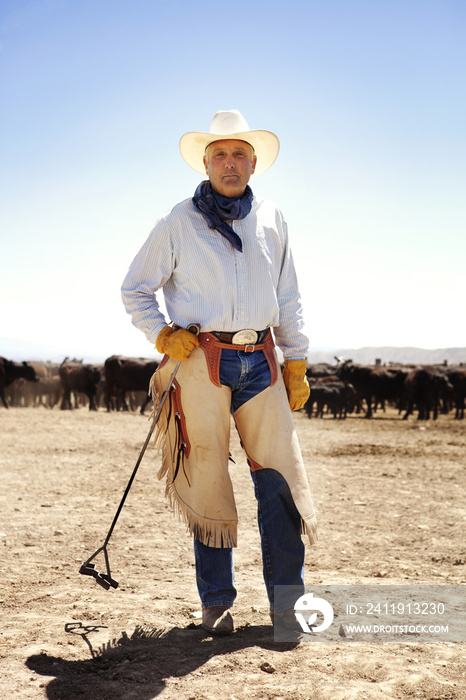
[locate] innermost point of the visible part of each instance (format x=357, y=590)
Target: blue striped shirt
x=205, y=280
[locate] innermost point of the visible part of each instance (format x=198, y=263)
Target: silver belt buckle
x=246, y=337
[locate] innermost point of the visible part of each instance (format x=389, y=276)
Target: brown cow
x=79, y=379
x=46, y=392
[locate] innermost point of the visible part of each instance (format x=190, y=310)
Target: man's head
x=230, y=126
x=229, y=164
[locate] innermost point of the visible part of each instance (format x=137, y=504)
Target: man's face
x=229, y=164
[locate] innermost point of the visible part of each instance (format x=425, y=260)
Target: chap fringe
x=211, y=534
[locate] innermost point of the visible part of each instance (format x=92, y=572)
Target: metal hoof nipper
x=104, y=580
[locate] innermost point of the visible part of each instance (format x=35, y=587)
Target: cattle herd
x=353, y=388
x=121, y=383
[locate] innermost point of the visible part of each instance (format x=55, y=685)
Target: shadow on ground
x=138, y=666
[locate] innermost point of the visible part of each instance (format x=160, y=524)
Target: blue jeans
x=279, y=521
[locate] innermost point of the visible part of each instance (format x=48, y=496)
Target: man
x=223, y=261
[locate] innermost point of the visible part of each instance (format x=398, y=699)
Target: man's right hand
x=178, y=344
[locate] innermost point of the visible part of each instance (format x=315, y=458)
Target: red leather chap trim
x=180, y=420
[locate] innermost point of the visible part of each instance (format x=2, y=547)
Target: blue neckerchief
x=217, y=209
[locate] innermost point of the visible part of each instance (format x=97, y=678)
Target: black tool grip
x=102, y=582
x=110, y=581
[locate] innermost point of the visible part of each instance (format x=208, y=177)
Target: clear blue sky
x=367, y=97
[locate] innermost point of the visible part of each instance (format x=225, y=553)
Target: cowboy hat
x=229, y=125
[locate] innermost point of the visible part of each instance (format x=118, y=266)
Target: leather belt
x=243, y=337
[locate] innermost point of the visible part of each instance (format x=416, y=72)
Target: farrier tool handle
x=106, y=580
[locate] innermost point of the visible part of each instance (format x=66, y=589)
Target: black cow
x=457, y=378
x=9, y=371
x=376, y=384
x=79, y=379
x=123, y=374
x=425, y=389
x=319, y=370
x=338, y=397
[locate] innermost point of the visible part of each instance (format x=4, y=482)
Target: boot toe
x=217, y=620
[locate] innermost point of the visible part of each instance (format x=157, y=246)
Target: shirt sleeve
x=289, y=336
x=147, y=274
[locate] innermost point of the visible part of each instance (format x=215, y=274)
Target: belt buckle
x=246, y=337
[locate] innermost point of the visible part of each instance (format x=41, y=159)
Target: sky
x=367, y=98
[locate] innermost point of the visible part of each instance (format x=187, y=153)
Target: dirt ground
x=391, y=501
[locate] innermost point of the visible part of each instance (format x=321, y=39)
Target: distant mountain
x=20, y=350
x=387, y=355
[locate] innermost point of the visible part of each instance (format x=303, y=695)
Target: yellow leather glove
x=297, y=386
x=178, y=344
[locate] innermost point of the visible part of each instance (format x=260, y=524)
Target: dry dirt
x=390, y=496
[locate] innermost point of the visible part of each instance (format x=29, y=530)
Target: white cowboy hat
x=229, y=125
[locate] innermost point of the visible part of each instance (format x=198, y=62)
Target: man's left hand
x=297, y=386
